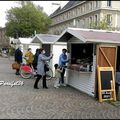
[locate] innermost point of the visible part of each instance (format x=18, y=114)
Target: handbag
x=15, y=66
x=46, y=68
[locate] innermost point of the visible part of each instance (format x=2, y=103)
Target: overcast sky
x=47, y=7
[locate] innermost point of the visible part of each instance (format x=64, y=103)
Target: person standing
x=29, y=57
x=41, y=68
x=18, y=58
x=57, y=75
x=117, y=83
x=36, y=59
x=62, y=63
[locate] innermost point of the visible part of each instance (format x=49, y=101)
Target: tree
x=102, y=24
x=24, y=20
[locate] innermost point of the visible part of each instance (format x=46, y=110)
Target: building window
x=90, y=22
x=83, y=23
x=109, y=3
x=81, y=9
x=78, y=22
x=62, y=17
x=74, y=22
x=84, y=8
x=76, y=12
x=96, y=20
x=90, y=6
x=96, y=3
x=68, y=14
x=73, y=13
x=87, y=7
x=109, y=19
x=58, y=19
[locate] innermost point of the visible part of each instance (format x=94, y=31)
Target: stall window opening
x=82, y=54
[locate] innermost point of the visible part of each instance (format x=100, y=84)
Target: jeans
x=62, y=76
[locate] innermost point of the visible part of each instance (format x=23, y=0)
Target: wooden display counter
x=81, y=80
x=78, y=67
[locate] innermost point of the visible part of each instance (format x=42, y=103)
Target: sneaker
x=56, y=86
x=63, y=84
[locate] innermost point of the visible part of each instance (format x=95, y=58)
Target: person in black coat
x=36, y=59
x=18, y=58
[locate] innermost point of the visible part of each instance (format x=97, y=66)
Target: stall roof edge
x=46, y=38
x=94, y=30
x=88, y=34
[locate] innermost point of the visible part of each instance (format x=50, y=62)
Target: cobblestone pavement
x=24, y=102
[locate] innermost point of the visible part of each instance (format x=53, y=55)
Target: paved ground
x=63, y=103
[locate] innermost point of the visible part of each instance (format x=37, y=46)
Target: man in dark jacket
x=62, y=63
x=18, y=58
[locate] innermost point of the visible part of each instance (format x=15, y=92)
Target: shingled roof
x=70, y=4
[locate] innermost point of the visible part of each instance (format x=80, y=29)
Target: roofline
x=67, y=9
x=36, y=37
x=84, y=40
x=54, y=11
x=61, y=35
x=102, y=41
x=67, y=30
x=81, y=37
x=47, y=34
x=33, y=39
x=39, y=38
x=94, y=30
x=112, y=9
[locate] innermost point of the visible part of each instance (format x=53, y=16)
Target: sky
x=47, y=7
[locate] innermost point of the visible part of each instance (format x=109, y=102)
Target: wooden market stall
x=90, y=49
x=47, y=41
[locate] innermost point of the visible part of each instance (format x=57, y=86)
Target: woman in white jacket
x=41, y=68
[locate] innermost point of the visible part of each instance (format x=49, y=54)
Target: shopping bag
x=15, y=66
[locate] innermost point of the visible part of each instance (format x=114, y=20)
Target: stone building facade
x=82, y=13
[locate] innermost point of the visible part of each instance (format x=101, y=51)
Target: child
x=57, y=76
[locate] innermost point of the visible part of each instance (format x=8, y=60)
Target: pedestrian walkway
x=24, y=102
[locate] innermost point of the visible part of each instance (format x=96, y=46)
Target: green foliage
x=103, y=24
x=12, y=51
x=24, y=20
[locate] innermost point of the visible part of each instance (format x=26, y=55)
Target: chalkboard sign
x=106, y=83
x=106, y=77
x=106, y=95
